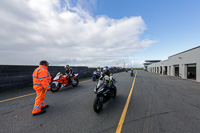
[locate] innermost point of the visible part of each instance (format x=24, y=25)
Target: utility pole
x=124, y=64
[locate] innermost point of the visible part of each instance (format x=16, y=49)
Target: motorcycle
x=132, y=73
x=61, y=81
x=103, y=93
x=96, y=75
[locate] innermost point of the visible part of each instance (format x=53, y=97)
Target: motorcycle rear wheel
x=97, y=105
x=54, y=88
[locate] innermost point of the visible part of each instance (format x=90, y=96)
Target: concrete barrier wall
x=17, y=76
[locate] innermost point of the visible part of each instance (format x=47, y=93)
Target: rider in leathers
x=69, y=71
x=106, y=71
x=99, y=70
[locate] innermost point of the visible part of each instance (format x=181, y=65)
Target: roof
x=152, y=61
x=146, y=63
x=185, y=51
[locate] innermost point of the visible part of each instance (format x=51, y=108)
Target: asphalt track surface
x=158, y=104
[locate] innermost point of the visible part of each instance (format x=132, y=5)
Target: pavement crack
x=25, y=105
x=108, y=129
x=7, y=112
x=163, y=113
x=197, y=106
x=14, y=104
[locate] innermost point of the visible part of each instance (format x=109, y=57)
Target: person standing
x=41, y=83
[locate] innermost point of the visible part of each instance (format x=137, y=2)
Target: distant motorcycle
x=103, y=94
x=96, y=75
x=60, y=81
x=132, y=73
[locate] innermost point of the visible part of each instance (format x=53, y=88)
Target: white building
x=184, y=65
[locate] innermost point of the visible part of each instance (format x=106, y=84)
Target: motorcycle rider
x=132, y=73
x=69, y=71
x=109, y=83
x=105, y=72
x=99, y=70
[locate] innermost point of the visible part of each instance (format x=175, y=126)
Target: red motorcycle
x=61, y=81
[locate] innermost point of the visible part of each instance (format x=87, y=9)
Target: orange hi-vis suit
x=41, y=80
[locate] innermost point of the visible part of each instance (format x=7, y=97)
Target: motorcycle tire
x=93, y=78
x=54, y=88
x=77, y=81
x=115, y=92
x=97, y=105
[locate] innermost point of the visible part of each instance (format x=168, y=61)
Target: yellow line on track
x=119, y=128
x=17, y=97
x=30, y=94
x=85, y=81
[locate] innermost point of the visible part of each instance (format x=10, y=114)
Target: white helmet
x=105, y=68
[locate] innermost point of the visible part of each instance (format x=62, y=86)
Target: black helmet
x=44, y=62
x=67, y=67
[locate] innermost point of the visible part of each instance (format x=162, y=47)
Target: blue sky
x=96, y=32
x=174, y=24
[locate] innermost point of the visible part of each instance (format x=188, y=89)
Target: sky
x=96, y=32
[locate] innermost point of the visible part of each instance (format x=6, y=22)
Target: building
x=148, y=62
x=185, y=65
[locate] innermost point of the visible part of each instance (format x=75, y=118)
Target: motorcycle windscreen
x=100, y=85
x=56, y=77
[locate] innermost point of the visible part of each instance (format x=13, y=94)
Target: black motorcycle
x=132, y=73
x=104, y=93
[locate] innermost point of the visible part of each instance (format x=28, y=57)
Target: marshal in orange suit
x=41, y=83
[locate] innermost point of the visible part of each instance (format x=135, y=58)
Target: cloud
x=32, y=30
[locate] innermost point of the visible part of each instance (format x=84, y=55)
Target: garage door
x=191, y=71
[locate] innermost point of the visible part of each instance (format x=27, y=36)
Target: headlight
x=95, y=90
x=100, y=90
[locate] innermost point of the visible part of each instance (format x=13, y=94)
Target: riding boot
x=69, y=81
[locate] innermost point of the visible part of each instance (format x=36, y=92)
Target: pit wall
x=17, y=76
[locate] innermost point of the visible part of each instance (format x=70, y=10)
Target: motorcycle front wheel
x=75, y=82
x=55, y=88
x=114, y=92
x=93, y=78
x=97, y=105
